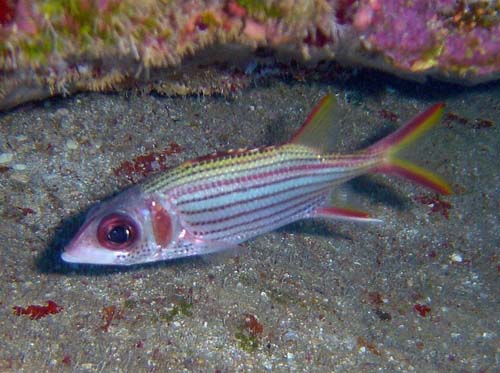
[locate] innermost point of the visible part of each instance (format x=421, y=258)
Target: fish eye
x=117, y=232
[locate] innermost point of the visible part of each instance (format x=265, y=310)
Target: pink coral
x=451, y=36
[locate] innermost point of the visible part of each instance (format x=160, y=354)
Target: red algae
x=478, y=123
x=36, y=312
x=109, y=314
x=370, y=346
x=388, y=115
x=25, y=210
x=451, y=118
x=66, y=360
x=253, y=325
x=146, y=164
x=375, y=299
x=7, y=11
x=482, y=123
x=436, y=204
x=422, y=309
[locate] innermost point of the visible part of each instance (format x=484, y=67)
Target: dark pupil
x=119, y=234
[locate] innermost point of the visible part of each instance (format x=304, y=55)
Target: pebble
x=97, y=144
x=71, y=144
x=268, y=365
x=19, y=167
x=62, y=112
x=456, y=257
x=291, y=336
x=155, y=165
x=21, y=138
x=20, y=177
x=6, y=157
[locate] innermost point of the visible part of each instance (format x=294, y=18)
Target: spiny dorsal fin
x=315, y=132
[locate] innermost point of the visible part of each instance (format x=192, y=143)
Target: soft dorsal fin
x=315, y=131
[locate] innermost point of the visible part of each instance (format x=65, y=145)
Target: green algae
x=248, y=343
x=36, y=49
x=257, y=8
x=183, y=308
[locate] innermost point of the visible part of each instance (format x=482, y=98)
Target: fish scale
x=271, y=191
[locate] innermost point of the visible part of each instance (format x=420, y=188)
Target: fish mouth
x=89, y=255
x=72, y=252
x=84, y=251
x=68, y=258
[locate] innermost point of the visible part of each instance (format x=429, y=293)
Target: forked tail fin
x=396, y=141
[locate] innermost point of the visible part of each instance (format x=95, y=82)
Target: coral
x=51, y=47
x=458, y=38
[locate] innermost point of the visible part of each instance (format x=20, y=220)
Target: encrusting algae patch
x=58, y=47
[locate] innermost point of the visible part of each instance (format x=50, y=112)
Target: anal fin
x=345, y=213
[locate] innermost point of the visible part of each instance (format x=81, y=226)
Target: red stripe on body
x=253, y=211
x=263, y=175
x=250, y=200
x=280, y=221
x=304, y=203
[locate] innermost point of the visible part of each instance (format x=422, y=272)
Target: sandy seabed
x=419, y=292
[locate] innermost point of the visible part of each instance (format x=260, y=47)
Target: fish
x=219, y=201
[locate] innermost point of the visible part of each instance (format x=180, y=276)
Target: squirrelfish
x=217, y=202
